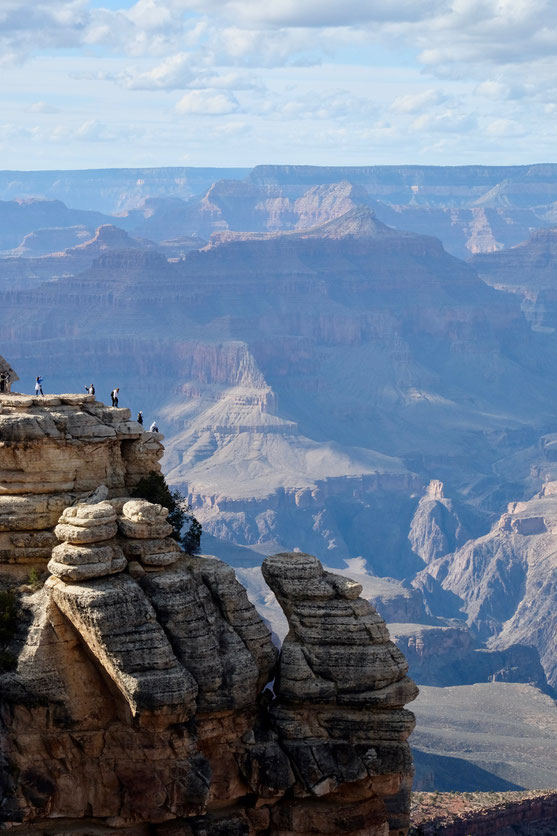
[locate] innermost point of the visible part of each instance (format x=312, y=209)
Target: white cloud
x=336, y=104
x=415, y=102
x=182, y=72
x=26, y=26
x=149, y=14
x=505, y=128
x=448, y=122
x=316, y=13
x=207, y=103
x=301, y=73
x=42, y=107
x=173, y=73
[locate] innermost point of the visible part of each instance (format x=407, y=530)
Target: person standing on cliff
x=39, y=385
x=4, y=382
x=114, y=396
x=140, y=418
x=90, y=389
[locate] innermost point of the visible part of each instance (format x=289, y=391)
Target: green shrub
x=154, y=488
x=33, y=578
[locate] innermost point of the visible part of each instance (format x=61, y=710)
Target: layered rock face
x=440, y=525
x=527, y=270
x=134, y=700
x=341, y=684
x=56, y=449
x=448, y=655
x=325, y=349
x=505, y=581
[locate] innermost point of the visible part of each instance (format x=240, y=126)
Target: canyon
x=140, y=691
x=331, y=380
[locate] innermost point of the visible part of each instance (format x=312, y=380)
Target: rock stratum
x=133, y=692
x=472, y=209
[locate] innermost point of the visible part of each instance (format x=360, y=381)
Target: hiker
x=140, y=418
x=90, y=389
x=39, y=385
x=153, y=428
x=114, y=396
x=4, y=382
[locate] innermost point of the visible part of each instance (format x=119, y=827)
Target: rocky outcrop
x=448, y=655
x=21, y=216
x=505, y=580
x=341, y=684
x=136, y=696
x=527, y=270
x=50, y=240
x=54, y=450
x=470, y=211
x=452, y=186
x=440, y=525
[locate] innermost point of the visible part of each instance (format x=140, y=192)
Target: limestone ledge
x=139, y=696
x=55, y=450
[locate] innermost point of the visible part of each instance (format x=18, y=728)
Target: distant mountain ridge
x=462, y=205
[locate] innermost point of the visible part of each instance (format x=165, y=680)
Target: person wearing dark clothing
x=90, y=389
x=114, y=396
x=4, y=381
x=140, y=418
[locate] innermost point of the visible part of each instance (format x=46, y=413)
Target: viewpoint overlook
x=137, y=683
x=355, y=373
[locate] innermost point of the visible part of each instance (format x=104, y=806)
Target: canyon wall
x=140, y=691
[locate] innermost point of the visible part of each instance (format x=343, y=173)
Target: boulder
x=77, y=563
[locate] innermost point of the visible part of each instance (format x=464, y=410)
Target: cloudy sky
x=100, y=83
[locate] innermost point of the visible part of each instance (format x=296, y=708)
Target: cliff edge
x=140, y=691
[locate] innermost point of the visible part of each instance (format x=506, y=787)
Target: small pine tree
x=191, y=540
x=154, y=488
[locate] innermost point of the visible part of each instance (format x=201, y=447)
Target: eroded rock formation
x=133, y=689
x=505, y=580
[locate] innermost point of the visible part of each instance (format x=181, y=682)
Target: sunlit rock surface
x=136, y=687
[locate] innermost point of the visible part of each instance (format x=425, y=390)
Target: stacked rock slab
x=137, y=702
x=341, y=687
x=148, y=543
x=88, y=548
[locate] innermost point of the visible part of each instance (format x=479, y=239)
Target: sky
x=114, y=83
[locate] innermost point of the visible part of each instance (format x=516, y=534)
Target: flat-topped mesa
x=341, y=686
x=55, y=450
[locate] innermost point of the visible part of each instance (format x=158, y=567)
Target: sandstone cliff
x=132, y=693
